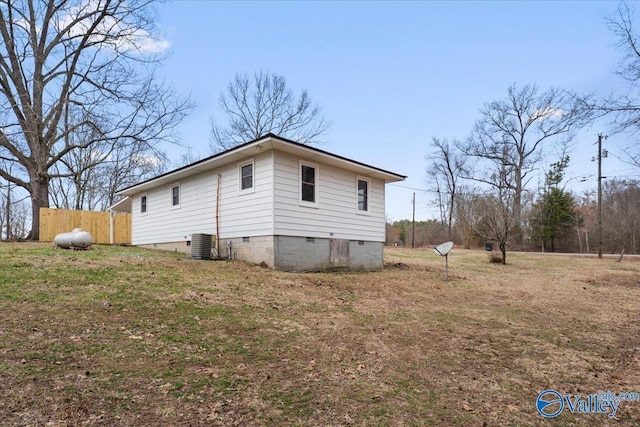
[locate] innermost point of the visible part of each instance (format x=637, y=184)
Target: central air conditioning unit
x=201, y=246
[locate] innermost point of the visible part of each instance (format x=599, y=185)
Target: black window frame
x=175, y=197
x=243, y=176
x=363, y=199
x=306, y=184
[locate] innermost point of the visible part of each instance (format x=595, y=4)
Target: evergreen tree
x=554, y=213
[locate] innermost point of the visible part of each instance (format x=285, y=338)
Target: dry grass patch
x=123, y=336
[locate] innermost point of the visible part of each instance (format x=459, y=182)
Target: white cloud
x=143, y=160
x=119, y=33
x=145, y=42
x=548, y=112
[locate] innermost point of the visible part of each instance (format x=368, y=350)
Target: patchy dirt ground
x=123, y=336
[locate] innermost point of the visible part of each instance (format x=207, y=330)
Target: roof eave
x=245, y=150
x=122, y=205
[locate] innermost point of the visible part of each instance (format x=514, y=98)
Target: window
x=308, y=184
x=143, y=204
x=246, y=240
x=363, y=195
x=175, y=195
x=246, y=176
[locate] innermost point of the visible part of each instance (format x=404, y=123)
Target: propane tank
x=81, y=239
x=76, y=239
x=63, y=240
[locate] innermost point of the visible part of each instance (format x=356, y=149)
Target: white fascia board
x=252, y=148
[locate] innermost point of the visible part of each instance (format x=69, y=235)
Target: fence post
x=111, y=231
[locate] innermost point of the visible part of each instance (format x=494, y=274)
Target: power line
x=413, y=188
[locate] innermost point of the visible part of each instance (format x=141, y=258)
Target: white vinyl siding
x=273, y=208
x=249, y=215
x=336, y=216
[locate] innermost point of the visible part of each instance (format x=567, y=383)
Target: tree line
x=557, y=221
x=483, y=182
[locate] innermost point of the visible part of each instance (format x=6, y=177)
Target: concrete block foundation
x=290, y=253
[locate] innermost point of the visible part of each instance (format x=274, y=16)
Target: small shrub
x=495, y=257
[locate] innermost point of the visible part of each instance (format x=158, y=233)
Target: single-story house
x=270, y=200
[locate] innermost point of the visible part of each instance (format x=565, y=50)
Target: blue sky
x=392, y=75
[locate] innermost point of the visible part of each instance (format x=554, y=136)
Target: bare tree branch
x=512, y=134
x=447, y=166
x=78, y=77
x=264, y=104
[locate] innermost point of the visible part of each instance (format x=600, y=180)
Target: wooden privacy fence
x=105, y=227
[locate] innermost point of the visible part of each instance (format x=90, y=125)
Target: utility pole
x=600, y=193
x=413, y=222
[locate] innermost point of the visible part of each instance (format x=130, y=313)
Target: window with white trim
x=143, y=203
x=175, y=196
x=245, y=175
x=308, y=184
x=363, y=194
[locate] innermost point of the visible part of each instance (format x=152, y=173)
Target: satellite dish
x=443, y=249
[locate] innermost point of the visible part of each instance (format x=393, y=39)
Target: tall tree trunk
x=518, y=236
x=586, y=238
x=579, y=240
x=503, y=249
x=39, y=199
x=451, y=207
x=8, y=212
x=71, y=83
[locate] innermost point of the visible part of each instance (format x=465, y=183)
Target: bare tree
x=498, y=209
x=445, y=169
x=497, y=220
x=19, y=221
x=83, y=181
x=74, y=182
x=264, y=104
x=586, y=208
x=70, y=67
x=14, y=220
x=621, y=204
x=187, y=157
x=468, y=213
x=426, y=232
x=624, y=108
x=513, y=132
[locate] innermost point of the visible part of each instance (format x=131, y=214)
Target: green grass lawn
x=125, y=336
